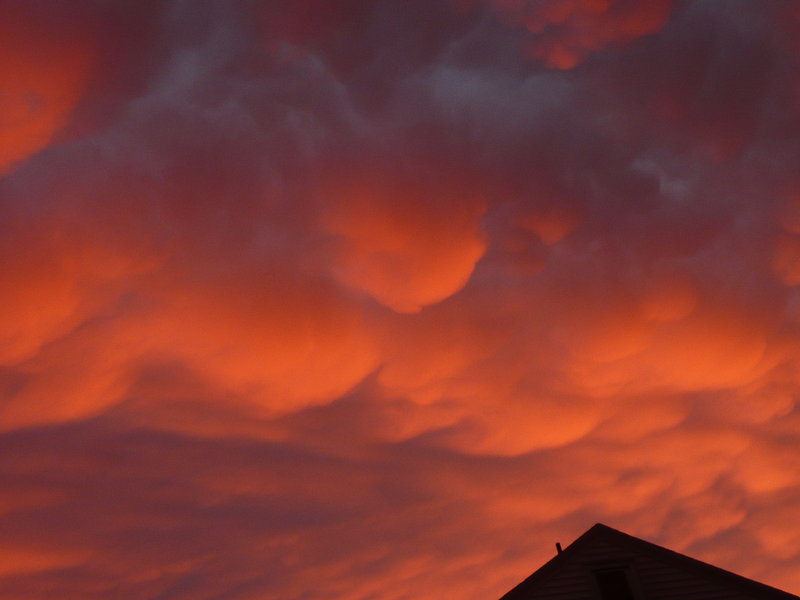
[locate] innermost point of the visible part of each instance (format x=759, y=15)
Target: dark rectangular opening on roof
x=613, y=585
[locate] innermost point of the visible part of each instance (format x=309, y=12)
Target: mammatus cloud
x=348, y=300
x=45, y=62
x=405, y=241
x=564, y=33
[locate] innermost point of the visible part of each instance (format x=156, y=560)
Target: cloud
x=45, y=59
x=406, y=242
x=355, y=300
x=564, y=34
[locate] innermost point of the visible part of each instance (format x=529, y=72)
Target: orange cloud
x=44, y=67
x=407, y=243
x=17, y=561
x=280, y=342
x=708, y=351
x=409, y=309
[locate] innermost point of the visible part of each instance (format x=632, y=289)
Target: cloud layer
x=353, y=300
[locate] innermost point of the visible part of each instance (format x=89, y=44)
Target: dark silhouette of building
x=606, y=564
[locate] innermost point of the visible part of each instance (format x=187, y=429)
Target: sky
x=379, y=299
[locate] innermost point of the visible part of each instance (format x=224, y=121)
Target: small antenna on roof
x=558, y=547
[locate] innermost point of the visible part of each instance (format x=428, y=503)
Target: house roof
x=636, y=546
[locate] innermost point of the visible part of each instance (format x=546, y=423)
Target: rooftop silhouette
x=606, y=564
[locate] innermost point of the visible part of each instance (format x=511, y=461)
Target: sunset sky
x=379, y=299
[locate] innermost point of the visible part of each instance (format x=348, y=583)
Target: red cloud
x=563, y=33
x=403, y=310
x=405, y=241
x=44, y=67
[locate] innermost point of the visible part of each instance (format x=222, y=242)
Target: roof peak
x=637, y=547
